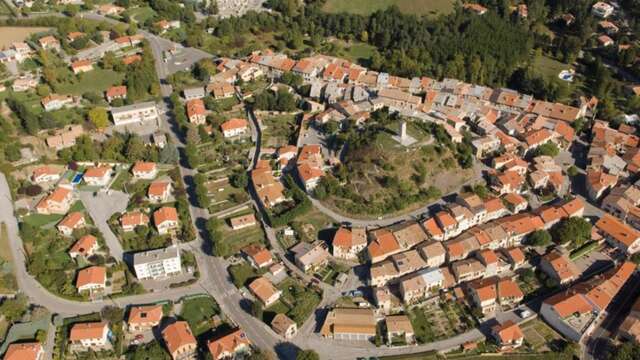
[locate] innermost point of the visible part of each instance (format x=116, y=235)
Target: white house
x=97, y=176
x=144, y=170
x=94, y=335
x=165, y=219
x=234, y=127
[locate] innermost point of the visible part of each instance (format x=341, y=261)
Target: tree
x=99, y=117
x=14, y=309
x=548, y=149
x=307, y=355
x=540, y=238
x=169, y=154
x=149, y=351
x=240, y=180
x=135, y=149
x=627, y=351
x=572, y=171
x=256, y=309
x=576, y=230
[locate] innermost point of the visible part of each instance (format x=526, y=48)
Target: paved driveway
x=101, y=207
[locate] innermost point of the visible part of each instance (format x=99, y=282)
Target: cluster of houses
x=309, y=167
x=154, y=264
x=176, y=336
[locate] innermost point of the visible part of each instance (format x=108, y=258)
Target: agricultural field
x=11, y=34
x=365, y=7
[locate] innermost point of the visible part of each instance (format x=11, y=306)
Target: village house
x=92, y=278
x=55, y=102
x=284, y=326
x=144, y=318
x=575, y=312
x=264, y=291
x=196, y=112
x=235, y=343
x=618, y=234
x=420, y=284
x=85, y=247
x=24, y=351
x=166, y=220
x=97, y=176
x=49, y=43
x=467, y=270
x=432, y=252
x=399, y=326
x=64, y=138
x=602, y=10
x=24, y=83
x=508, y=335
x=116, y=92
x=74, y=220
x=348, y=243
x=598, y=182
x=559, y=267
x=81, y=66
x=241, y=222
x=90, y=335
x=234, y=127
x=180, y=342
x=221, y=90
x=159, y=191
x=258, y=256
x=110, y=9
x=268, y=188
x=144, y=170
x=130, y=220
x=58, y=202
x=44, y=174
x=309, y=256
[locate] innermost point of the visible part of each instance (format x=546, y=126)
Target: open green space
x=198, y=312
x=279, y=130
x=97, y=81
x=7, y=277
x=141, y=14
x=549, y=67
x=365, y=7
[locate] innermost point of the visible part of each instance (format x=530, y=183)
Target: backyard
x=238, y=239
x=434, y=322
x=279, y=130
x=297, y=302
x=198, y=312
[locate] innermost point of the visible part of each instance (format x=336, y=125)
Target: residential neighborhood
x=319, y=180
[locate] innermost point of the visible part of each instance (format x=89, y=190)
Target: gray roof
x=196, y=91
x=144, y=257
x=138, y=106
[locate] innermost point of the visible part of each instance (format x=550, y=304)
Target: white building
x=90, y=335
x=136, y=113
x=157, y=264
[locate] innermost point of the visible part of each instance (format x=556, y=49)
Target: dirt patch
x=11, y=34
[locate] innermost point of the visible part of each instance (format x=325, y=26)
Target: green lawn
x=365, y=7
x=358, y=52
x=97, y=81
x=237, y=239
x=198, y=313
x=141, y=14
x=548, y=67
x=241, y=273
x=41, y=220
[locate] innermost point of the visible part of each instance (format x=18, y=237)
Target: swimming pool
x=76, y=179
